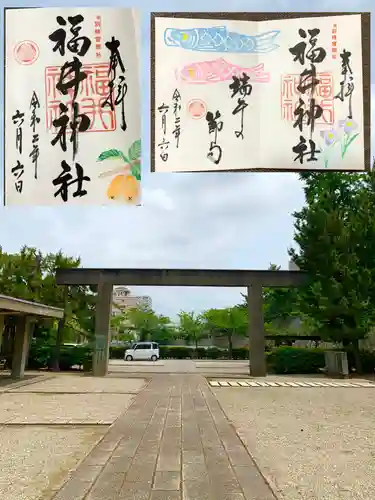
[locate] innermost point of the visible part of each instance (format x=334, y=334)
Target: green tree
x=227, y=322
x=30, y=275
x=280, y=306
x=122, y=328
x=148, y=324
x=192, y=327
x=335, y=238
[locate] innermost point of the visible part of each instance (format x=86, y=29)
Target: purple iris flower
x=329, y=136
x=348, y=125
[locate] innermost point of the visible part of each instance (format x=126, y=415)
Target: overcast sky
x=188, y=220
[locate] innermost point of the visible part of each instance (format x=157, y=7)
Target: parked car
x=142, y=350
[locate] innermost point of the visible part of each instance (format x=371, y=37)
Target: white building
x=122, y=300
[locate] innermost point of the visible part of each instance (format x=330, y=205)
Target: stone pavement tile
x=229, y=496
x=141, y=472
x=128, y=446
x=165, y=495
x=196, y=489
x=170, y=447
x=87, y=472
x=223, y=480
x=74, y=488
x=253, y=483
x=97, y=457
x=166, y=481
x=134, y=491
x=194, y=471
x=169, y=460
x=110, y=441
x=107, y=487
x=191, y=457
x=117, y=464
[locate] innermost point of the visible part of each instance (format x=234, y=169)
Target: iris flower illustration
x=343, y=136
x=329, y=136
x=348, y=125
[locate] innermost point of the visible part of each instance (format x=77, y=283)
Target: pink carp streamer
x=219, y=70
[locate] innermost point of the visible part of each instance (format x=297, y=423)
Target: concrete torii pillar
x=103, y=307
x=21, y=346
x=257, y=341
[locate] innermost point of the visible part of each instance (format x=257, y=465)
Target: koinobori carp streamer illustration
x=219, y=39
x=219, y=70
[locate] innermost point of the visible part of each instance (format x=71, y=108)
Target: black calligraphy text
x=34, y=122
x=347, y=83
x=118, y=87
x=164, y=144
x=242, y=87
x=176, y=101
x=215, y=125
x=307, y=53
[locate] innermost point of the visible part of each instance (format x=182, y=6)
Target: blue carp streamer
x=219, y=39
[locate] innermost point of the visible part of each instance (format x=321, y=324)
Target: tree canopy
x=30, y=275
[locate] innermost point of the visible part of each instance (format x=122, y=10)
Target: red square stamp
x=92, y=93
x=323, y=97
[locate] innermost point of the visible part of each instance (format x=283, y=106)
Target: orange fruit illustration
x=125, y=187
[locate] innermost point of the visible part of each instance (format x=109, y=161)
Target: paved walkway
x=173, y=443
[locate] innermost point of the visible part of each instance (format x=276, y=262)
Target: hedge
x=295, y=360
x=280, y=360
x=41, y=355
x=186, y=352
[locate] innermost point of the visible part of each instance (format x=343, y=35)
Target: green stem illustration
x=347, y=141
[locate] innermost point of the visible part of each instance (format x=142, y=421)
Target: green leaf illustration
x=351, y=140
x=136, y=170
x=347, y=144
x=112, y=154
x=135, y=150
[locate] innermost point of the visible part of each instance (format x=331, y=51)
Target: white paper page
x=198, y=58
x=280, y=97
x=33, y=66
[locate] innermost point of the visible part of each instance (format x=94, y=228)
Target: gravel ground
x=79, y=383
x=34, y=461
x=24, y=408
x=311, y=444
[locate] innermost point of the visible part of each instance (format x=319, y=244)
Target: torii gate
x=254, y=280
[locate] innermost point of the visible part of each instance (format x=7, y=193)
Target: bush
x=117, y=352
x=41, y=355
x=295, y=360
x=215, y=353
x=176, y=352
x=240, y=353
x=367, y=359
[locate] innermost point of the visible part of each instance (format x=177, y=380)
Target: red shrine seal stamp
x=197, y=109
x=26, y=52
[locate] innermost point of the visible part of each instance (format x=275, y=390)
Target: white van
x=143, y=350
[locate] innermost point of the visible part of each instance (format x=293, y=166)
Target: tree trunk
x=357, y=357
x=55, y=365
x=196, y=348
x=143, y=334
x=230, y=346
